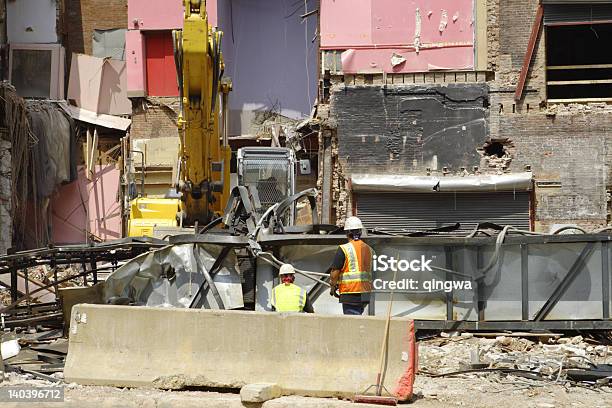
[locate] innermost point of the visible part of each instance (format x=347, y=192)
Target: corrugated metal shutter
x=395, y=212
x=576, y=13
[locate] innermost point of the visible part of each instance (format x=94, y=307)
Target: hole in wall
x=496, y=149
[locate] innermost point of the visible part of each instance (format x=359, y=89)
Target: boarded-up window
x=578, y=67
x=161, y=71
x=31, y=72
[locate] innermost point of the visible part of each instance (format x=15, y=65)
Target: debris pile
x=564, y=360
x=35, y=353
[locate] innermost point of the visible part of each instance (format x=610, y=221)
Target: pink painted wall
x=378, y=29
x=103, y=217
x=155, y=14
x=146, y=15
x=135, y=63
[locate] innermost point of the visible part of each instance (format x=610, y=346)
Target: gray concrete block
x=260, y=392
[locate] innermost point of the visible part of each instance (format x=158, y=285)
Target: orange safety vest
x=356, y=273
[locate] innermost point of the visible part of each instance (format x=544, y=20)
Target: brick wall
x=562, y=144
x=82, y=17
x=154, y=117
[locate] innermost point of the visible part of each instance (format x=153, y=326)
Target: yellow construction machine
x=203, y=171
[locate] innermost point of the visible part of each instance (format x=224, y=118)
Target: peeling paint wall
x=398, y=35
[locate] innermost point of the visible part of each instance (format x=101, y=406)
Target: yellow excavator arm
x=203, y=171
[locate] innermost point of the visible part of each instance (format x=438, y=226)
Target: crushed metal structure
x=517, y=279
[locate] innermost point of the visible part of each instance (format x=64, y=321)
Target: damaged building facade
x=471, y=111
x=426, y=113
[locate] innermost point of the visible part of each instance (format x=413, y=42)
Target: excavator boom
x=203, y=171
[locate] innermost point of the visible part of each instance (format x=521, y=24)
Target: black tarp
x=55, y=152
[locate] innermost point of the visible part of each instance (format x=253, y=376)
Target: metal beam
x=535, y=32
x=565, y=282
x=448, y=251
x=605, y=279
x=514, y=325
x=524, y=282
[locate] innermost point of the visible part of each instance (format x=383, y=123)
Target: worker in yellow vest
x=289, y=297
x=351, y=271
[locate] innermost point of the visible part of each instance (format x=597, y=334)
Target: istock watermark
x=384, y=263
x=431, y=285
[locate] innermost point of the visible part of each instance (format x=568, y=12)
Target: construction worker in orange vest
x=289, y=297
x=351, y=271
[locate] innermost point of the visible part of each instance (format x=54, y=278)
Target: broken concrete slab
x=259, y=392
x=304, y=354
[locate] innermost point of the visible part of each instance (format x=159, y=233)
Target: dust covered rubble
x=548, y=359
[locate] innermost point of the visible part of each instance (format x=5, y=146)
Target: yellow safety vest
x=356, y=274
x=288, y=298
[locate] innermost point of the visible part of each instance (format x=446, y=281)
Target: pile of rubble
x=565, y=360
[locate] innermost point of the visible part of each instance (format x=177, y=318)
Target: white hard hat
x=286, y=269
x=352, y=223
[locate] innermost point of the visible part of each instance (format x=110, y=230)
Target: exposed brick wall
x=82, y=17
x=154, y=117
x=563, y=144
x=492, y=34
x=567, y=148
x=514, y=21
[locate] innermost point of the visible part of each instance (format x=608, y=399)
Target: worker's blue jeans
x=353, y=308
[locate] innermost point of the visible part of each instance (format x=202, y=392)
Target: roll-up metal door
x=401, y=212
x=576, y=13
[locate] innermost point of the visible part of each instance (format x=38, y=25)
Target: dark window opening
x=495, y=149
x=579, y=63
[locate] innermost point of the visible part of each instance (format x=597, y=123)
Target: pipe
x=142, y=171
x=568, y=227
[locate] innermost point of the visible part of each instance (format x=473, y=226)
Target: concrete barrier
x=311, y=355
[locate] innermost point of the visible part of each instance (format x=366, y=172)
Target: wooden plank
x=590, y=66
x=535, y=32
x=581, y=82
x=481, y=35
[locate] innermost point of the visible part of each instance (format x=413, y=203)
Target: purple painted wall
x=270, y=57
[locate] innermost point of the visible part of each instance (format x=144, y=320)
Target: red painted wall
x=161, y=71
